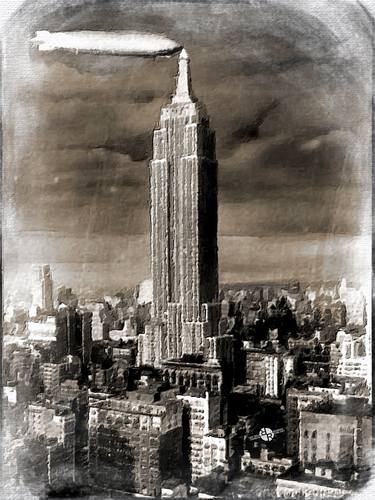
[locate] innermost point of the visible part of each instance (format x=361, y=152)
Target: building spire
x=183, y=87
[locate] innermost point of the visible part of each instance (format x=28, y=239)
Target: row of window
x=314, y=433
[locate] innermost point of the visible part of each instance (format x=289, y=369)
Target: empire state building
x=184, y=261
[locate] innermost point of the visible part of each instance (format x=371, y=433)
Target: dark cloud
x=137, y=146
x=251, y=131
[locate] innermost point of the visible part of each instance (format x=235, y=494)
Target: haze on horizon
x=288, y=93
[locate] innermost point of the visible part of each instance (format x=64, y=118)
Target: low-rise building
x=336, y=433
x=297, y=400
x=266, y=464
x=307, y=486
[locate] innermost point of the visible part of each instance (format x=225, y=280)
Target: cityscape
x=199, y=388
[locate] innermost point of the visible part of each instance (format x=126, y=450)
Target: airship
x=121, y=43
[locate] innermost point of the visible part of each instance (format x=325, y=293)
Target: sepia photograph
x=186, y=249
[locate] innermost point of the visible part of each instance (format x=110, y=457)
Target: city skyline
x=194, y=384
x=272, y=165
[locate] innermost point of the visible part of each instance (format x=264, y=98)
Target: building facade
x=332, y=437
x=134, y=444
x=183, y=178
x=203, y=415
x=263, y=372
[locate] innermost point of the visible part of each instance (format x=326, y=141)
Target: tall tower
x=47, y=289
x=42, y=290
x=183, y=183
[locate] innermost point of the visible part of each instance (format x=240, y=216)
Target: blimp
x=120, y=43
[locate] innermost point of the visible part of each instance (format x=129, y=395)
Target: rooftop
x=301, y=477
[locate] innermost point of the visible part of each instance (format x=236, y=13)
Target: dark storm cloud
x=137, y=146
x=251, y=131
x=288, y=162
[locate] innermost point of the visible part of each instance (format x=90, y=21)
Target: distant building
x=129, y=330
x=97, y=324
x=52, y=375
x=288, y=367
x=68, y=332
x=86, y=336
x=47, y=289
x=125, y=351
x=36, y=291
x=47, y=333
x=65, y=296
x=19, y=363
x=263, y=372
x=42, y=291
x=352, y=356
x=355, y=303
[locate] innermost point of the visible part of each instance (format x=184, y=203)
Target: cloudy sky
x=288, y=88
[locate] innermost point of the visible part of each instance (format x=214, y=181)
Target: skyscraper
x=183, y=178
x=47, y=289
x=42, y=290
